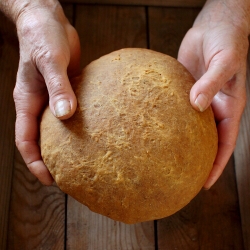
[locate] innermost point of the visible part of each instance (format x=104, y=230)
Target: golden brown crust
x=135, y=150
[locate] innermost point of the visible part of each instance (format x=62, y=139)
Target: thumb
x=204, y=90
x=62, y=100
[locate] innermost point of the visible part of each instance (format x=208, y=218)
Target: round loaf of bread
x=135, y=150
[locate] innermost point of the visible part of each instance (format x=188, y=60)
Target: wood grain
x=103, y=29
x=210, y=221
x=8, y=68
x=87, y=230
x=242, y=165
x=169, y=3
x=168, y=26
x=69, y=12
x=37, y=212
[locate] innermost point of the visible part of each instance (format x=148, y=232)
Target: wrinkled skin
x=49, y=57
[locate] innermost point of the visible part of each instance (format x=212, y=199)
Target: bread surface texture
x=135, y=150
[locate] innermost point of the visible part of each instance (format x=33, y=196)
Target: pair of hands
x=214, y=51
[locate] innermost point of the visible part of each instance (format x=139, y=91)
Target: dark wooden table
x=33, y=216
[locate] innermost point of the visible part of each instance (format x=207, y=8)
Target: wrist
x=234, y=13
x=13, y=9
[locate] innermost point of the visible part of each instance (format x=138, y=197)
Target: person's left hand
x=215, y=54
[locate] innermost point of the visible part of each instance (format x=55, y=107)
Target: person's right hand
x=49, y=57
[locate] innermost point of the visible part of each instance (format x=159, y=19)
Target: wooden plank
x=212, y=219
x=103, y=29
x=8, y=67
x=166, y=3
x=168, y=26
x=242, y=165
x=88, y=230
x=37, y=213
x=69, y=11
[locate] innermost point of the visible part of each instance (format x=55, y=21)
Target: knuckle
x=49, y=62
x=17, y=94
x=70, y=30
x=211, y=87
x=227, y=62
x=31, y=167
x=27, y=24
x=18, y=143
x=195, y=33
x=21, y=104
x=45, y=55
x=21, y=145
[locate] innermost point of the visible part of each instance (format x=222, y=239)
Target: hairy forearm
x=235, y=11
x=14, y=8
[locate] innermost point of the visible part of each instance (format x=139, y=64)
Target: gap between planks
x=8, y=68
x=163, y=3
x=242, y=165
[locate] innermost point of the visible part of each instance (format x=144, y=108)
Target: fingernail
x=62, y=108
x=201, y=102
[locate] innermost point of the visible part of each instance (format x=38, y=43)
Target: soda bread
x=135, y=150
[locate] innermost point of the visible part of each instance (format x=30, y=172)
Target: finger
x=227, y=132
x=228, y=106
x=27, y=127
x=220, y=71
x=53, y=66
x=30, y=152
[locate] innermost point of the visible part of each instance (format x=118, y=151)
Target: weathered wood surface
x=87, y=230
x=168, y=26
x=37, y=212
x=169, y=3
x=44, y=218
x=103, y=29
x=211, y=221
x=8, y=68
x=242, y=165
